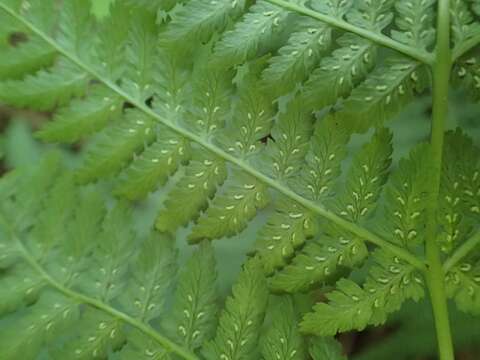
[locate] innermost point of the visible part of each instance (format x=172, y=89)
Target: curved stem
x=377, y=38
x=311, y=205
x=462, y=251
x=169, y=345
x=435, y=275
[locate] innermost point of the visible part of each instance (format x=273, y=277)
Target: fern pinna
x=246, y=107
x=82, y=285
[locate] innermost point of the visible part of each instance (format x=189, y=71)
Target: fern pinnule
x=282, y=339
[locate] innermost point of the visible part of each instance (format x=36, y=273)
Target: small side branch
x=462, y=251
x=377, y=38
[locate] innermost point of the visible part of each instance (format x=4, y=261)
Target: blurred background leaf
x=100, y=7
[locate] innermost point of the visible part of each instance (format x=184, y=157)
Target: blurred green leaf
x=20, y=148
x=100, y=8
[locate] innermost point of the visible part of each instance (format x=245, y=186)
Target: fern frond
x=201, y=19
x=463, y=24
x=240, y=322
x=45, y=15
x=211, y=104
x=252, y=122
x=97, y=335
x=143, y=348
x=383, y=93
x=324, y=158
x=338, y=74
x=463, y=285
x=367, y=174
x=48, y=319
x=50, y=222
x=85, y=224
x=203, y=174
x=110, y=256
x=325, y=348
x=25, y=58
x=112, y=40
x=76, y=23
x=290, y=133
x=196, y=308
x=282, y=339
x=406, y=199
x=353, y=307
x=467, y=75
x=116, y=144
x=459, y=202
x=140, y=55
x=85, y=296
x=177, y=118
x=230, y=211
x=286, y=230
x=374, y=15
x=253, y=34
x=45, y=89
x=24, y=285
x=156, y=5
x=415, y=21
x=153, y=167
x=268, y=123
x=298, y=57
x=321, y=259
x=36, y=181
x=82, y=117
x=151, y=279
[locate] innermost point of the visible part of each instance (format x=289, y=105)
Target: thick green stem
x=435, y=274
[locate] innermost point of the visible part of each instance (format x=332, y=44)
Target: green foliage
x=239, y=324
x=326, y=348
x=384, y=93
x=389, y=283
x=415, y=21
x=199, y=183
x=196, y=299
x=247, y=114
x=81, y=284
x=46, y=89
x=253, y=34
x=464, y=25
x=282, y=340
x=82, y=117
x=340, y=72
x=116, y=145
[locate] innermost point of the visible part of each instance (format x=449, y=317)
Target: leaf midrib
x=320, y=210
x=378, y=38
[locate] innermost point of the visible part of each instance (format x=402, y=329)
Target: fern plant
x=82, y=285
x=248, y=107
